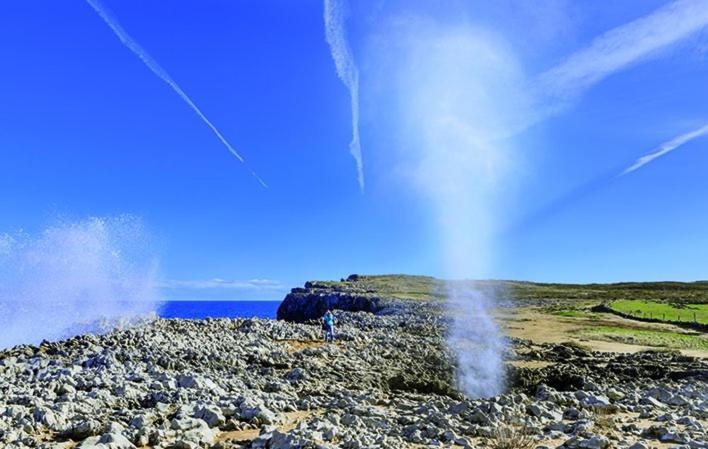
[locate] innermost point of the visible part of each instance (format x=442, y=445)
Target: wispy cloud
x=667, y=147
x=150, y=63
x=223, y=284
x=335, y=34
x=623, y=46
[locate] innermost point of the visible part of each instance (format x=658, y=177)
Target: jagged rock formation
x=311, y=302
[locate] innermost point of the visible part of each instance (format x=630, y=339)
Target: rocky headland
x=387, y=382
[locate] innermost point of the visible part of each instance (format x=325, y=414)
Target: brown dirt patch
x=299, y=345
x=533, y=364
x=290, y=421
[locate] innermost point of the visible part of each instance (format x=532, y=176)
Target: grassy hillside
x=426, y=287
x=674, y=292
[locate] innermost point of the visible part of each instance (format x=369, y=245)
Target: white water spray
x=74, y=277
x=336, y=36
x=161, y=73
x=475, y=338
x=463, y=97
x=460, y=91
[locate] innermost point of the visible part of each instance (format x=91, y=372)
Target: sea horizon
x=201, y=309
x=221, y=300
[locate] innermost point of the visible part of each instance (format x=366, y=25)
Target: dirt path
x=533, y=364
x=290, y=421
x=300, y=345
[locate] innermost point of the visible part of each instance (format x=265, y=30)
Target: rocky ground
x=387, y=382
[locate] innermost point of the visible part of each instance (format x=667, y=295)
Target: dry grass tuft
x=605, y=420
x=512, y=437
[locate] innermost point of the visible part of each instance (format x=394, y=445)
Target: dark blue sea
x=219, y=309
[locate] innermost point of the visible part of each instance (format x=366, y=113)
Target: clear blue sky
x=88, y=130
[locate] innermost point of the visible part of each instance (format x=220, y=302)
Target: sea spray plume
x=459, y=88
x=462, y=96
x=475, y=338
x=667, y=147
x=334, y=15
x=72, y=277
x=150, y=63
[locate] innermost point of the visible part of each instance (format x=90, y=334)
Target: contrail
x=334, y=11
x=667, y=147
x=600, y=181
x=151, y=64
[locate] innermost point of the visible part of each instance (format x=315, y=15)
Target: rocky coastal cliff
x=351, y=294
x=387, y=382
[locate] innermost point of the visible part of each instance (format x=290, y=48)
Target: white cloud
x=223, y=284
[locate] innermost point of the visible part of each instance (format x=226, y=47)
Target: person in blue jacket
x=328, y=325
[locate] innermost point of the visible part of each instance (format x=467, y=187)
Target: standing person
x=328, y=324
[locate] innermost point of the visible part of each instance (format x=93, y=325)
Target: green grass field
x=647, y=337
x=662, y=311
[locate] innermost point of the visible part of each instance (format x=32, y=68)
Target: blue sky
x=89, y=130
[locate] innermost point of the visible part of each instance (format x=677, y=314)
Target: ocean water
x=218, y=309
x=169, y=309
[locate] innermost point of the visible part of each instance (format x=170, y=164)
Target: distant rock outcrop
x=311, y=302
x=377, y=294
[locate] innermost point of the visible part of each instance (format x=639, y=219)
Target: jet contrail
x=162, y=74
x=667, y=147
x=600, y=181
x=335, y=35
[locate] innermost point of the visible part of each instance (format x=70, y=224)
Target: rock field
x=387, y=382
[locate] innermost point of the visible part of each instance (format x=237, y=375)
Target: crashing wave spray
x=73, y=278
x=334, y=12
x=151, y=64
